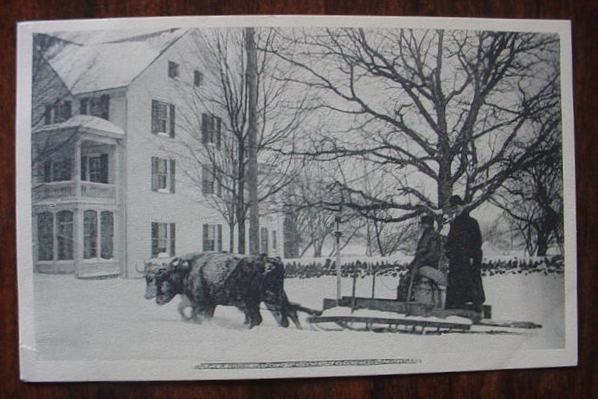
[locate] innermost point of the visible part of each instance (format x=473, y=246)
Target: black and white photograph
x=269, y=197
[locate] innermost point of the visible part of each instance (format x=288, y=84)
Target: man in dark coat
x=427, y=253
x=464, y=251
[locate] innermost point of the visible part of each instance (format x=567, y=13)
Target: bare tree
x=440, y=111
x=223, y=101
x=532, y=200
x=312, y=221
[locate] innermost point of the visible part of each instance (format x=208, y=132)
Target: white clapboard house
x=108, y=189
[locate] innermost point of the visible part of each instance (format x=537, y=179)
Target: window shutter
x=48, y=115
x=218, y=132
x=172, y=239
x=83, y=106
x=154, y=174
x=219, y=238
x=218, y=187
x=197, y=78
x=57, y=114
x=211, y=125
x=204, y=179
x=47, y=171
x=83, y=168
x=172, y=175
x=204, y=128
x=67, y=110
x=205, y=237
x=154, y=239
x=155, y=127
x=104, y=168
x=172, y=120
x=105, y=106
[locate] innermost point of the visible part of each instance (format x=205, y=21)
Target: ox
x=205, y=280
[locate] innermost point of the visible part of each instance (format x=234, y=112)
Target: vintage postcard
x=292, y=196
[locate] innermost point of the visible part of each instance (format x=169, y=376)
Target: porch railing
x=97, y=190
x=66, y=189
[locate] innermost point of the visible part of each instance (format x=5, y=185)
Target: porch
x=76, y=197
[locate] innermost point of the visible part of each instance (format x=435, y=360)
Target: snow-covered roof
x=85, y=122
x=93, y=66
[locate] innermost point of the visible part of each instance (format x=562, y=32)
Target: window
x=163, y=175
x=207, y=180
x=263, y=240
x=211, y=129
x=212, y=237
x=58, y=112
x=90, y=234
x=95, y=106
x=274, y=241
x=107, y=235
x=209, y=183
x=163, y=239
x=57, y=170
x=94, y=168
x=45, y=236
x=64, y=237
x=83, y=104
x=197, y=78
x=163, y=118
x=173, y=69
x=48, y=115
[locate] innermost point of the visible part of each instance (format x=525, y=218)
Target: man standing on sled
x=428, y=252
x=464, y=251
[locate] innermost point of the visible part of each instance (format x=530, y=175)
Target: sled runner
x=422, y=313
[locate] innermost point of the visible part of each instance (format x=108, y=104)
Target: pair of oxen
x=207, y=279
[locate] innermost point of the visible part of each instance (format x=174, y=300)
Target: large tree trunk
x=254, y=227
x=240, y=205
x=231, y=238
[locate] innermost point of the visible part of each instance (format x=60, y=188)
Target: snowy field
x=110, y=320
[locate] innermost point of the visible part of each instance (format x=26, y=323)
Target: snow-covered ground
x=110, y=320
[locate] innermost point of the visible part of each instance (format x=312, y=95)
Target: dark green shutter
x=154, y=174
x=205, y=238
x=83, y=106
x=105, y=106
x=219, y=238
x=155, y=127
x=218, y=133
x=67, y=111
x=204, y=128
x=48, y=115
x=172, y=239
x=172, y=120
x=83, y=168
x=47, y=171
x=154, y=240
x=172, y=175
x=204, y=179
x=104, y=168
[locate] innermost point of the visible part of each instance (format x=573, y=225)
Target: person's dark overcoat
x=427, y=253
x=464, y=251
x=428, y=249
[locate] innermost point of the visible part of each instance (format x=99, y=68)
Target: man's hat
x=455, y=200
x=427, y=219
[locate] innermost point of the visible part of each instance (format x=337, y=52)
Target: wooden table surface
x=575, y=382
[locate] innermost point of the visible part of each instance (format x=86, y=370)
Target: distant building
x=108, y=193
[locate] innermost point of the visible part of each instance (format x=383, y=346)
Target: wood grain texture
x=578, y=382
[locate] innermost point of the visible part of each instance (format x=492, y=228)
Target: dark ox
x=205, y=280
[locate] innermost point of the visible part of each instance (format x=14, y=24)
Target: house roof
x=84, y=122
x=94, y=66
